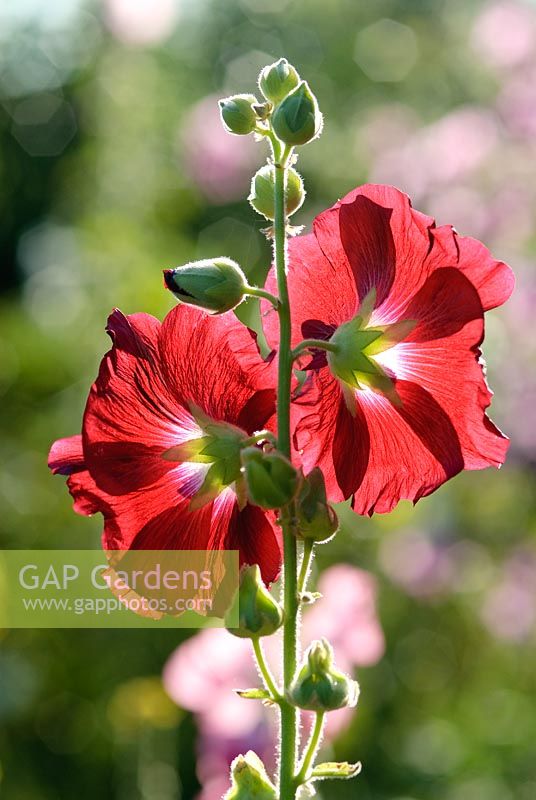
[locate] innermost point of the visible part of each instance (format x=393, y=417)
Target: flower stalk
x=288, y=714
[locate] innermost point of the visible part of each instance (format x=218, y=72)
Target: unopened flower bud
x=215, y=284
x=250, y=780
x=319, y=686
x=271, y=480
x=258, y=613
x=262, y=192
x=277, y=80
x=237, y=113
x=297, y=120
x=317, y=520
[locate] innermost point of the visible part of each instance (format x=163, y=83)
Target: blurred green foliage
x=108, y=173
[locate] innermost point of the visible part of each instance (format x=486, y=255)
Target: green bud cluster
x=215, y=284
x=261, y=196
x=290, y=110
x=250, y=780
x=258, y=613
x=271, y=480
x=318, y=685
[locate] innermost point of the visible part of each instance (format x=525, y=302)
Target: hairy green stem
x=307, y=556
x=264, y=669
x=289, y=714
x=254, y=291
x=312, y=747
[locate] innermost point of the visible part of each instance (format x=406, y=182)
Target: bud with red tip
x=215, y=284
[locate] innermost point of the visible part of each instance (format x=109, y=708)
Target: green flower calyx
x=219, y=447
x=357, y=343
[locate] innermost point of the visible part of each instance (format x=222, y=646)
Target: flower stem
x=308, y=546
x=254, y=291
x=289, y=715
x=312, y=344
x=264, y=669
x=312, y=747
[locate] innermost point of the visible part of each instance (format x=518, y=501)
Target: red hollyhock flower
x=159, y=450
x=399, y=408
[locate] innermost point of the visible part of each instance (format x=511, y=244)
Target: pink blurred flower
x=509, y=610
x=517, y=104
x=141, y=22
x=505, y=33
x=447, y=150
x=347, y=612
x=202, y=672
x=219, y=163
x=416, y=563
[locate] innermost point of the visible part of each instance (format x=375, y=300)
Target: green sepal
x=253, y=694
x=271, y=480
x=317, y=520
x=250, y=780
x=336, y=769
x=191, y=450
x=259, y=614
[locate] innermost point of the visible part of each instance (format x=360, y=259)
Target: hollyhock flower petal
x=493, y=279
x=375, y=233
x=143, y=404
x=319, y=293
x=433, y=287
x=391, y=247
x=196, y=366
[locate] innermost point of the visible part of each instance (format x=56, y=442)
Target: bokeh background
x=113, y=165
